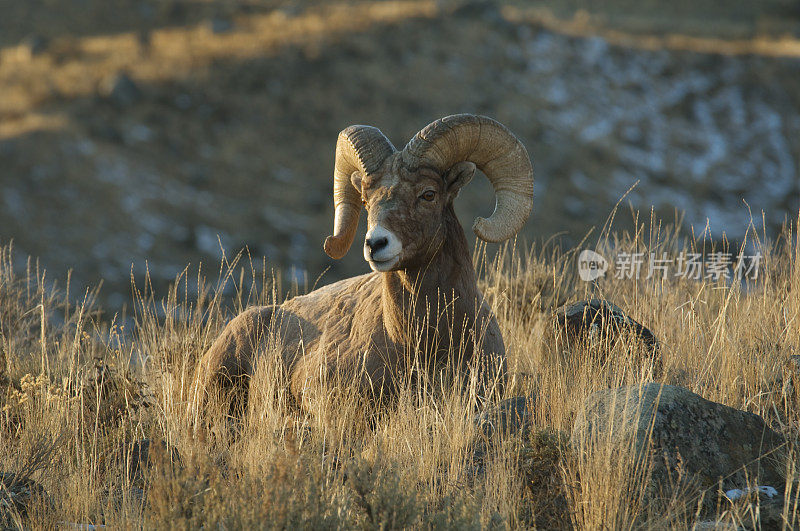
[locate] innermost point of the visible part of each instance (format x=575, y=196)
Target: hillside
x=142, y=135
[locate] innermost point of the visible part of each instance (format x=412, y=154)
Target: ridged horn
x=495, y=151
x=359, y=148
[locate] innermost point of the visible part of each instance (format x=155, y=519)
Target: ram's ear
x=458, y=176
x=355, y=179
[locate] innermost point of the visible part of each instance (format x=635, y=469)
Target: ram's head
x=409, y=194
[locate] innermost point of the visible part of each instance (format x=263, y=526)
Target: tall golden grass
x=80, y=386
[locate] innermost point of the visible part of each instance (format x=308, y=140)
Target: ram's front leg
x=491, y=363
x=225, y=369
x=330, y=385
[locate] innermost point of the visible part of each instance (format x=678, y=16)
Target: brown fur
x=369, y=329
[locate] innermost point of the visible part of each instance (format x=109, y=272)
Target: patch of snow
x=735, y=494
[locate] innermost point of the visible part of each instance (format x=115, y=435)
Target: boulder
x=596, y=324
x=591, y=318
x=538, y=460
x=713, y=525
x=220, y=25
x=759, y=508
x=121, y=90
x=136, y=458
x=690, y=442
x=509, y=417
x=17, y=493
x=35, y=44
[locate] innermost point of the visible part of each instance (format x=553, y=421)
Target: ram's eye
x=428, y=195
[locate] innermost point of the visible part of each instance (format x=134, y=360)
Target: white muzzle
x=382, y=248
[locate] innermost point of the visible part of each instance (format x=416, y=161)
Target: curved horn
x=359, y=148
x=495, y=151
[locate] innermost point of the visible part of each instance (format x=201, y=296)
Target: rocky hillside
x=154, y=138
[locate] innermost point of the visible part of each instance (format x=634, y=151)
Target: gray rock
x=583, y=318
x=764, y=512
x=695, y=443
x=487, y=10
x=17, y=493
x=712, y=525
x=754, y=508
x=220, y=25
x=139, y=456
x=510, y=417
x=291, y=10
x=597, y=324
x=122, y=90
x=35, y=44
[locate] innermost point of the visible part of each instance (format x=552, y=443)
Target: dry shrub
x=546, y=495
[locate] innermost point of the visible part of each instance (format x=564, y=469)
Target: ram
x=421, y=301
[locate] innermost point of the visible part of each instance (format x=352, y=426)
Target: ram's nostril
x=376, y=244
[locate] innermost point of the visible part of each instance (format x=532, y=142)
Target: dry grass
x=80, y=387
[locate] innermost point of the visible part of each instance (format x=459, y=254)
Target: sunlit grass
x=80, y=386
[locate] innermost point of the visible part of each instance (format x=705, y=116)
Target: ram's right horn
x=359, y=148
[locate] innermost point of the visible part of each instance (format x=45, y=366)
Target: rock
x=137, y=133
x=712, y=525
x=183, y=102
x=106, y=132
x=737, y=494
x=593, y=317
x=291, y=10
x=35, y=44
x=126, y=469
x=510, y=417
x=121, y=90
x=597, y=323
x=755, y=508
x=759, y=510
x=546, y=492
x=17, y=493
x=485, y=9
x=705, y=441
x=219, y=25
x=136, y=458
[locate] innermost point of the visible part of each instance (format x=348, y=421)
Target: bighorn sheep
x=421, y=298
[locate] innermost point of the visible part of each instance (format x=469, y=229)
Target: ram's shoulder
x=347, y=292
